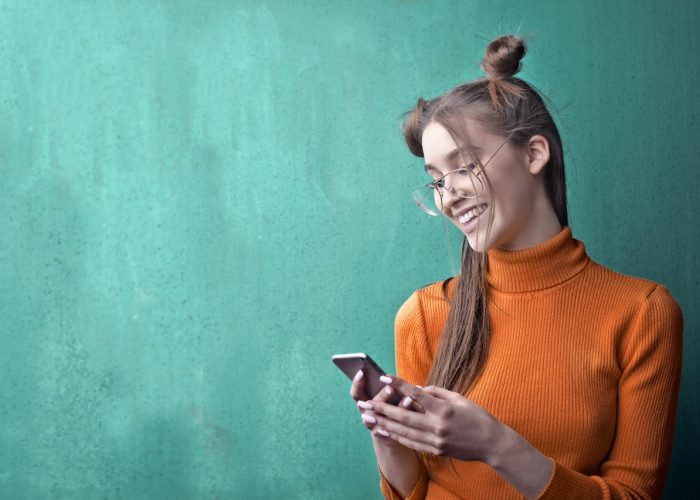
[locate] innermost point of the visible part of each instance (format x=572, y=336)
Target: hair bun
x=503, y=55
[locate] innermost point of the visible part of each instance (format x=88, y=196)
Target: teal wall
x=202, y=201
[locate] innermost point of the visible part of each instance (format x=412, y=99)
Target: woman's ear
x=537, y=153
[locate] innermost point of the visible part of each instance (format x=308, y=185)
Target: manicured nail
x=406, y=402
x=385, y=379
x=358, y=375
x=382, y=432
x=364, y=404
x=369, y=418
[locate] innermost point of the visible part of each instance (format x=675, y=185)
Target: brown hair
x=509, y=107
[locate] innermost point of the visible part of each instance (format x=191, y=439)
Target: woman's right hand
x=357, y=392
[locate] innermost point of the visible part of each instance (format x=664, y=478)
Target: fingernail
x=387, y=389
x=406, y=402
x=364, y=404
x=385, y=379
x=369, y=418
x=358, y=375
x=382, y=432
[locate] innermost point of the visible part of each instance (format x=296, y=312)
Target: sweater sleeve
x=413, y=363
x=650, y=359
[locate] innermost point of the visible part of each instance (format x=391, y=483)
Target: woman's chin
x=476, y=238
x=474, y=242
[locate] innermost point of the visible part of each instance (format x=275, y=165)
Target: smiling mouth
x=472, y=214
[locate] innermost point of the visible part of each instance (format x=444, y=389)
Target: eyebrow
x=448, y=158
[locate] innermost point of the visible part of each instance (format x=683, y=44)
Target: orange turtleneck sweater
x=583, y=362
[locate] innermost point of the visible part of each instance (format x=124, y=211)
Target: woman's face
x=517, y=199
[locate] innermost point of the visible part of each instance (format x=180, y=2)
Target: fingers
x=388, y=392
x=396, y=429
x=409, y=404
x=357, y=392
x=414, y=444
x=390, y=431
x=369, y=420
x=357, y=389
x=384, y=395
x=388, y=395
x=417, y=394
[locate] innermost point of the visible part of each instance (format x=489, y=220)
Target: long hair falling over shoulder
x=509, y=107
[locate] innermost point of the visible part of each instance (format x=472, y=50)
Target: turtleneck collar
x=542, y=266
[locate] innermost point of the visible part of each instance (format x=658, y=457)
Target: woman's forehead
x=439, y=146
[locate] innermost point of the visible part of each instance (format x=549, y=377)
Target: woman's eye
x=469, y=168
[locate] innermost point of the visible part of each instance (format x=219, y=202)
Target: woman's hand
x=357, y=392
x=451, y=425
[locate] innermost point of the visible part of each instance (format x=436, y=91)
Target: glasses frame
x=433, y=185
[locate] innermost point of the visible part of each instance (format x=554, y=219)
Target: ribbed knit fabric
x=584, y=363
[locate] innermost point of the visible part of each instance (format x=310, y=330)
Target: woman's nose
x=460, y=190
x=449, y=197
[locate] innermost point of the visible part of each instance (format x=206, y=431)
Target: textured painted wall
x=203, y=200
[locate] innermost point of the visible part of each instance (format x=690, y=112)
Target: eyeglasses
x=429, y=197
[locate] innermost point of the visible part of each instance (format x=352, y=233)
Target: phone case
x=350, y=364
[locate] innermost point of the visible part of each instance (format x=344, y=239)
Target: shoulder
x=426, y=308
x=655, y=332
x=438, y=290
x=418, y=326
x=651, y=315
x=633, y=291
x=429, y=295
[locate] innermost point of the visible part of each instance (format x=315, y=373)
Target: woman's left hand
x=451, y=424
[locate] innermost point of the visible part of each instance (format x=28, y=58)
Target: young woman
x=546, y=375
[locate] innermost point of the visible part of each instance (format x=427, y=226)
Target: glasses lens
x=461, y=183
x=428, y=200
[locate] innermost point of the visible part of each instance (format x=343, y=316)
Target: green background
x=202, y=201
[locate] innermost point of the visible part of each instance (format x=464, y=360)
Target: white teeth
x=474, y=212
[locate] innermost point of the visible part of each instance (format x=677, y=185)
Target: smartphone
x=350, y=364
